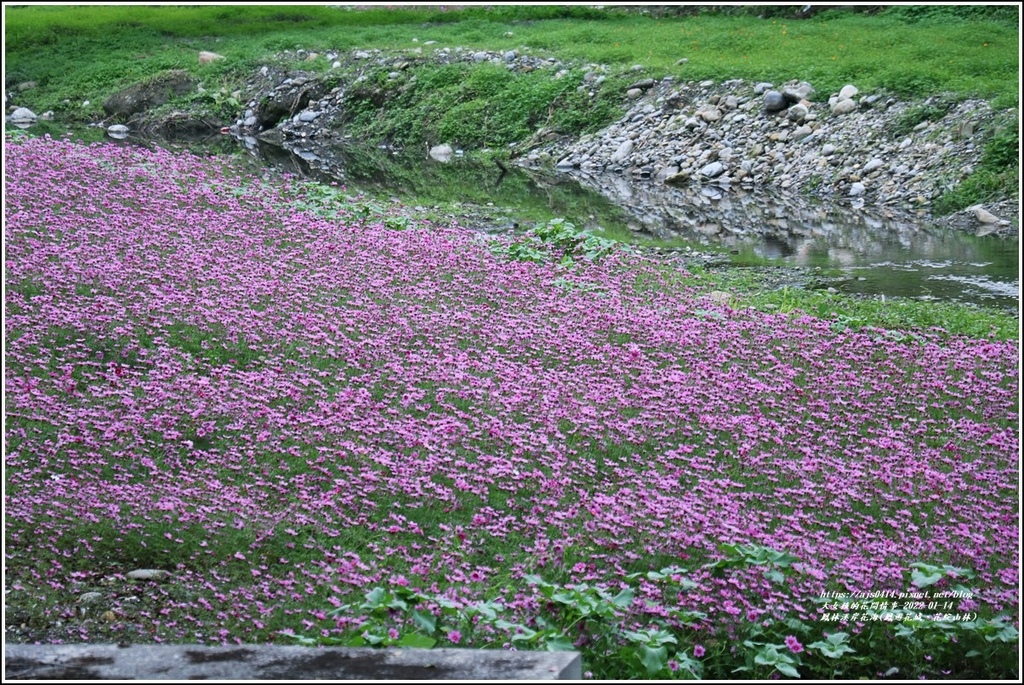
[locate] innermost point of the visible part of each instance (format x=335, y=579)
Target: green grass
x=108, y=47
x=900, y=316
x=997, y=175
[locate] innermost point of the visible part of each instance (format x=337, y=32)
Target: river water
x=864, y=250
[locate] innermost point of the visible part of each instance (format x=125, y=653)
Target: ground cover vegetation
x=334, y=422
x=909, y=51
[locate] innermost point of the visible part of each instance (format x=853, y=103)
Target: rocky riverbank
x=711, y=140
x=862, y=149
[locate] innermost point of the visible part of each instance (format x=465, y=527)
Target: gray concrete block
x=280, y=662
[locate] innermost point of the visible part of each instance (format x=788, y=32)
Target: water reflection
x=875, y=250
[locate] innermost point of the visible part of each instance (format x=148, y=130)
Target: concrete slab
x=280, y=662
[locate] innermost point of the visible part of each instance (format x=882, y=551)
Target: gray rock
x=796, y=113
x=23, y=115
x=847, y=92
x=622, y=152
x=441, y=153
x=774, y=101
x=872, y=165
x=480, y=56
x=634, y=93
x=149, y=94
x=148, y=574
x=828, y=149
x=710, y=114
x=643, y=84
x=360, y=54
x=801, y=133
x=761, y=88
x=857, y=189
x=308, y=116
x=984, y=216
x=713, y=170
x=90, y=597
x=844, y=107
x=117, y=131
x=27, y=85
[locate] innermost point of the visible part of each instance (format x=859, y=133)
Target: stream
x=866, y=250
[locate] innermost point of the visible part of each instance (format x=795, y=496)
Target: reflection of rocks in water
x=775, y=225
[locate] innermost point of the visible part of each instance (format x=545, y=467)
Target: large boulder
x=285, y=100
x=148, y=94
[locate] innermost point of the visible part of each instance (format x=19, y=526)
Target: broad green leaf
x=921, y=580
x=375, y=598
x=787, y=670
x=417, y=641
x=425, y=620
x=624, y=598
x=654, y=658
x=558, y=643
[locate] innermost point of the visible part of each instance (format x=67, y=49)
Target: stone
x=90, y=597
x=149, y=94
x=678, y=179
x=828, y=149
x=857, y=189
x=797, y=112
x=148, y=574
x=713, y=170
x=23, y=115
x=441, y=153
x=208, y=57
x=634, y=93
x=280, y=662
x=643, y=84
x=984, y=216
x=872, y=165
x=117, y=131
x=801, y=133
x=27, y=85
x=720, y=298
x=761, y=88
x=774, y=101
x=622, y=152
x=308, y=116
x=710, y=114
x=480, y=56
x=847, y=92
x=844, y=107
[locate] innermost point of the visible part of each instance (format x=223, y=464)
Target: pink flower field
x=284, y=410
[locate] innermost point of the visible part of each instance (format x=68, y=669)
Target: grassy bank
x=366, y=431
x=91, y=52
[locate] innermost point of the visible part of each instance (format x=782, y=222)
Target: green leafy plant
x=623, y=638
x=558, y=240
